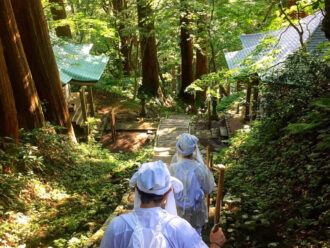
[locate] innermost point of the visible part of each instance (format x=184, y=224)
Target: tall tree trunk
x=201, y=54
x=29, y=111
x=214, y=68
x=187, y=60
x=8, y=114
x=32, y=25
x=60, y=14
x=119, y=6
x=201, y=62
x=150, y=80
x=326, y=20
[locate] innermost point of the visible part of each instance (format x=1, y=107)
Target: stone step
x=168, y=134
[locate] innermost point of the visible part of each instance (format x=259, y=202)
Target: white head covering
x=154, y=178
x=187, y=145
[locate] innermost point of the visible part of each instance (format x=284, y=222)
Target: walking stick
x=207, y=156
x=221, y=170
x=207, y=159
x=208, y=166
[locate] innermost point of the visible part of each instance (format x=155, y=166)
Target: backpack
x=141, y=235
x=192, y=196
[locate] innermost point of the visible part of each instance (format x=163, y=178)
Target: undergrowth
x=57, y=193
x=277, y=181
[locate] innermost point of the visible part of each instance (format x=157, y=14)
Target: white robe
x=177, y=231
x=197, y=218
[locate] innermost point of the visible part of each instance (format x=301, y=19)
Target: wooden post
x=113, y=124
x=228, y=90
x=211, y=162
x=83, y=103
x=238, y=86
x=254, y=102
x=221, y=170
x=248, y=99
x=209, y=113
x=91, y=101
x=214, y=109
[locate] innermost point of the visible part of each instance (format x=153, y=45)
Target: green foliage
x=279, y=169
x=227, y=102
x=57, y=193
x=293, y=87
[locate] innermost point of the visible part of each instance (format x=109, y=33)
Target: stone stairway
x=168, y=132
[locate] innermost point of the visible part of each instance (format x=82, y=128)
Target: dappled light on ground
x=125, y=141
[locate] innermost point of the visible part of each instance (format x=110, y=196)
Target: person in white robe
x=189, y=167
x=153, y=222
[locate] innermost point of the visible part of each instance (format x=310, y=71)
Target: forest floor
x=132, y=130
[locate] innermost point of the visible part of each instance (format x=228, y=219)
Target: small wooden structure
x=81, y=105
x=78, y=67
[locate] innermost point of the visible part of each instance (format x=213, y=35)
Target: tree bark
x=201, y=62
x=326, y=20
x=125, y=49
x=214, y=67
x=201, y=54
x=150, y=80
x=60, y=14
x=8, y=114
x=33, y=27
x=187, y=60
x=29, y=111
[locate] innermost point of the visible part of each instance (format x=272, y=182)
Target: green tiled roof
x=75, y=63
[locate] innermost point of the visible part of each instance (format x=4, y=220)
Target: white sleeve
x=182, y=235
x=117, y=234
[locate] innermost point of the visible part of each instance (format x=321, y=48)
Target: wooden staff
x=209, y=113
x=221, y=170
x=208, y=159
x=208, y=166
x=207, y=156
x=211, y=163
